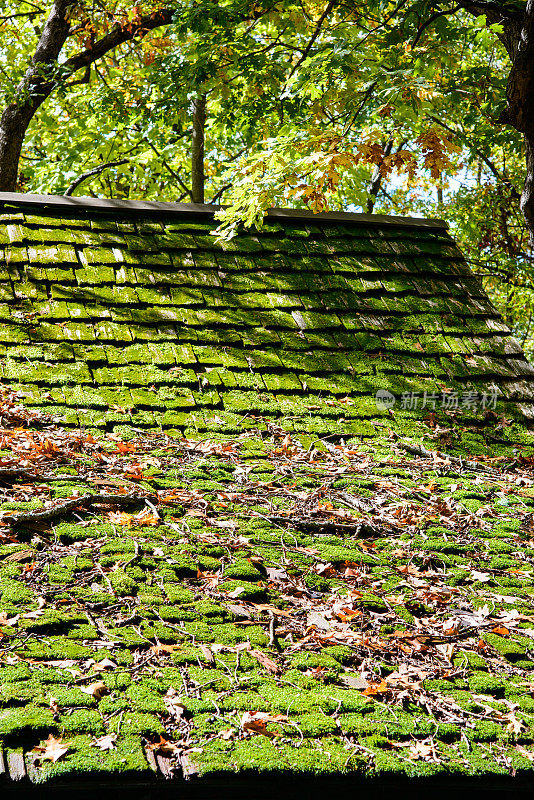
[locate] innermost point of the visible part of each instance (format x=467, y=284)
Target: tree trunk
x=527, y=197
x=12, y=130
x=32, y=91
x=44, y=74
x=518, y=38
x=197, y=149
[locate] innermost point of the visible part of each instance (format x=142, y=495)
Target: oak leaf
x=52, y=750
x=265, y=661
x=96, y=690
x=256, y=722
x=106, y=742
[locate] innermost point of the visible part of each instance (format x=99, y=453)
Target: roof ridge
x=63, y=202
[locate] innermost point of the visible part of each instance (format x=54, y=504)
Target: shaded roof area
x=221, y=564
x=132, y=314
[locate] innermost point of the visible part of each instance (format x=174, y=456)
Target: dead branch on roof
x=84, y=501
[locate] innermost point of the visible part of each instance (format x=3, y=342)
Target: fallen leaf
x=160, y=649
x=38, y=612
x=165, y=747
x=207, y=653
x=524, y=752
x=54, y=706
x=376, y=688
x=106, y=742
x=174, y=704
x=106, y=663
x=6, y=621
x=515, y=725
x=237, y=591
x=239, y=611
x=419, y=751
x=256, y=722
x=265, y=661
x=96, y=690
x=317, y=620
x=52, y=750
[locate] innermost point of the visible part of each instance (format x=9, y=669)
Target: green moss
x=28, y=721
x=482, y=683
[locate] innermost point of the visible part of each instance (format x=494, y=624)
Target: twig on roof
x=85, y=501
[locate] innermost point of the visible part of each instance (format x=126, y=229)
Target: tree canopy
x=414, y=107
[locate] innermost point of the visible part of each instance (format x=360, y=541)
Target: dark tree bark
x=45, y=72
x=518, y=39
x=197, y=149
x=520, y=110
x=34, y=88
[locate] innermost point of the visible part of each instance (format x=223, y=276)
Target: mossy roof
x=293, y=593
x=117, y=314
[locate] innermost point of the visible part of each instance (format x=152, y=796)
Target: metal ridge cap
x=52, y=202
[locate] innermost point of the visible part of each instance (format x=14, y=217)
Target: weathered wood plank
x=165, y=766
x=153, y=206
x=151, y=758
x=16, y=765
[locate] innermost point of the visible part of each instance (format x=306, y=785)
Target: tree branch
x=168, y=167
x=84, y=501
x=89, y=174
x=422, y=28
x=117, y=36
x=314, y=36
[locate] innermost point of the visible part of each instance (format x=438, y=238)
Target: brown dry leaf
x=239, y=611
x=420, y=751
x=524, y=752
x=317, y=620
x=160, y=649
x=54, y=706
x=481, y=577
x=271, y=609
x=376, y=688
x=38, y=612
x=515, y=725
x=106, y=663
x=120, y=518
x=96, y=690
x=500, y=630
x=229, y=524
x=165, y=747
x=256, y=722
x=52, y=749
x=237, y=591
x=265, y=661
x=106, y=742
x=147, y=518
x=174, y=705
x=446, y=650
x=6, y=621
x=21, y=555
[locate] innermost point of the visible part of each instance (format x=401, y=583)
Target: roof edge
x=52, y=202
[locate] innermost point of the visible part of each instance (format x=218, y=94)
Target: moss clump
x=28, y=721
x=122, y=583
x=242, y=569
x=482, y=683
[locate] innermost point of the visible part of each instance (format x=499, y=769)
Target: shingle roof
x=148, y=320
x=292, y=594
